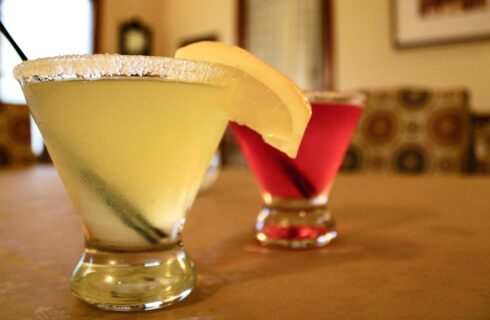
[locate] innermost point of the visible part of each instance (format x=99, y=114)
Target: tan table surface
x=409, y=248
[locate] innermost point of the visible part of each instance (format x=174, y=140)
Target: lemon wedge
x=264, y=99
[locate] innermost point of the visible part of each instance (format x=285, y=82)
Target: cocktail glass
x=295, y=191
x=131, y=138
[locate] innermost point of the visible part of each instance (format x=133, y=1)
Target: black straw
x=126, y=211
x=302, y=184
x=12, y=42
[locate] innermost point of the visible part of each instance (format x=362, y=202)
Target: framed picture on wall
x=134, y=38
x=430, y=22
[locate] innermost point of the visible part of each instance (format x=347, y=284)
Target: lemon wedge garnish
x=264, y=99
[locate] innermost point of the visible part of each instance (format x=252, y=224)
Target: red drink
x=302, y=184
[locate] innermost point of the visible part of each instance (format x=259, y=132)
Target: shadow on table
x=364, y=235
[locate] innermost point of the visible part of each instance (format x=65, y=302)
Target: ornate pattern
x=15, y=148
x=447, y=126
x=414, y=99
x=413, y=131
x=380, y=126
x=410, y=159
x=352, y=160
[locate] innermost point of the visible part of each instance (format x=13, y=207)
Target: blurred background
x=423, y=64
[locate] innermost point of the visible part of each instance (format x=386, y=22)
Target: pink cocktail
x=295, y=191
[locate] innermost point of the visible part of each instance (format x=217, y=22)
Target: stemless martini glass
x=131, y=138
x=295, y=191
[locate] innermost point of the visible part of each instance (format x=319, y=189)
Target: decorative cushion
x=411, y=130
x=15, y=147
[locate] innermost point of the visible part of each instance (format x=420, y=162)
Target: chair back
x=15, y=136
x=412, y=130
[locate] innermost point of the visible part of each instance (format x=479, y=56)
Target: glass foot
x=133, y=281
x=295, y=228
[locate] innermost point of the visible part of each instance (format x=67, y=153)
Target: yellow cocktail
x=132, y=137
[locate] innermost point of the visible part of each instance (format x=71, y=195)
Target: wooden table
x=409, y=248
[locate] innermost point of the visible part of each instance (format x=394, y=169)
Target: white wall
x=183, y=19
x=365, y=56
x=115, y=12
x=170, y=20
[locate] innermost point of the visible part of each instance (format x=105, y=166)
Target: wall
x=115, y=12
x=184, y=19
x=170, y=20
x=365, y=57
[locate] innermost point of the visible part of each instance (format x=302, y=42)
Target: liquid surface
x=131, y=153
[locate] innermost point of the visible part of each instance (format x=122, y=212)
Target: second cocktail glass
x=295, y=191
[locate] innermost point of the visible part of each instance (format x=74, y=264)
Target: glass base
x=133, y=281
x=298, y=224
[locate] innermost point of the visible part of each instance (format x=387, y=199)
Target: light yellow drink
x=131, y=153
x=132, y=137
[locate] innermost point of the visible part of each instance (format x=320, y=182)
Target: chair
x=15, y=147
x=412, y=130
x=481, y=125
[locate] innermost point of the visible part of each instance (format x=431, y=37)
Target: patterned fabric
x=411, y=130
x=15, y=147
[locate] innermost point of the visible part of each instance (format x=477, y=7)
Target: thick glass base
x=295, y=224
x=133, y=281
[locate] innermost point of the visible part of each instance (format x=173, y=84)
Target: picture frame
x=135, y=38
x=419, y=23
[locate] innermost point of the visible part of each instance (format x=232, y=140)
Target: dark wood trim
x=241, y=15
x=328, y=43
x=97, y=22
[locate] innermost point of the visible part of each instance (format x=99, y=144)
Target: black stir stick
x=12, y=42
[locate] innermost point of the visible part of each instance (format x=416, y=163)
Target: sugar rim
x=99, y=66
x=341, y=97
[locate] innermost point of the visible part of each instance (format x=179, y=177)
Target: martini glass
x=295, y=191
x=131, y=138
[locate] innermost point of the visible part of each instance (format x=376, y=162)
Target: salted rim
x=341, y=97
x=98, y=66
